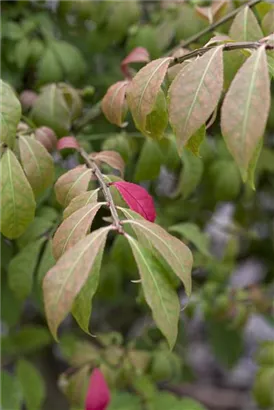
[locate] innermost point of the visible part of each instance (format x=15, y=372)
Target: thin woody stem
x=213, y=26
x=226, y=47
x=105, y=188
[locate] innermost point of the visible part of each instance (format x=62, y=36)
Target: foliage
x=92, y=229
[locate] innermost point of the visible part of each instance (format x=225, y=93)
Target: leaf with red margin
x=98, y=394
x=112, y=158
x=137, y=55
x=114, y=105
x=137, y=198
x=67, y=142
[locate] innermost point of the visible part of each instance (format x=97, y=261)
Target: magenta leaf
x=67, y=142
x=137, y=55
x=98, y=394
x=137, y=199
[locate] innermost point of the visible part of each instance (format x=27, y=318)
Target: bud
x=22, y=127
x=98, y=395
x=46, y=136
x=27, y=99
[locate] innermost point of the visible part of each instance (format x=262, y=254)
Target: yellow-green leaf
x=10, y=113
x=194, y=94
x=191, y=232
x=195, y=141
x=32, y=384
x=17, y=199
x=159, y=294
x=245, y=109
x=268, y=23
x=245, y=26
x=74, y=228
x=65, y=280
x=157, y=120
x=37, y=163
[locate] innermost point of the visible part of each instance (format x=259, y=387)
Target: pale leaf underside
x=194, y=94
x=245, y=109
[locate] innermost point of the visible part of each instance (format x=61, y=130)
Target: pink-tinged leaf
x=213, y=12
x=72, y=184
x=194, y=94
x=137, y=199
x=143, y=90
x=86, y=198
x=174, y=251
x=245, y=26
x=137, y=55
x=114, y=105
x=98, y=394
x=74, y=228
x=37, y=163
x=67, y=142
x=112, y=158
x=65, y=280
x=245, y=109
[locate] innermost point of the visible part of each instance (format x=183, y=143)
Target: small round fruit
x=27, y=99
x=46, y=136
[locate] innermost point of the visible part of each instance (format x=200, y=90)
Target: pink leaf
x=98, y=395
x=137, y=55
x=137, y=199
x=67, y=142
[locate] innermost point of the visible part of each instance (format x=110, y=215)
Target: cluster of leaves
x=57, y=234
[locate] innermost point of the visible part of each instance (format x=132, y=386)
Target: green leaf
x=160, y=296
x=17, y=200
x=81, y=309
x=191, y=173
x=143, y=90
x=46, y=263
x=10, y=113
x=37, y=164
x=149, y=161
x=252, y=165
x=49, y=69
x=243, y=124
x=22, y=53
x=51, y=109
x=27, y=339
x=174, y=251
x=32, y=384
x=225, y=179
x=11, y=393
x=74, y=228
x=9, y=316
x=270, y=62
x=195, y=141
x=157, y=120
x=194, y=94
x=245, y=26
x=21, y=269
x=37, y=228
x=75, y=387
x=226, y=343
x=124, y=401
x=70, y=59
x=64, y=281
x=191, y=232
x=86, y=198
x=71, y=184
x=232, y=62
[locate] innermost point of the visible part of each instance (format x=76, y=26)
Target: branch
x=226, y=47
x=105, y=188
x=212, y=27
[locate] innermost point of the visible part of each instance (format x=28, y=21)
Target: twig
x=226, y=47
x=213, y=26
x=105, y=188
